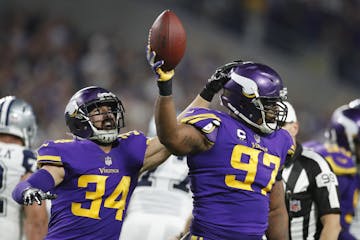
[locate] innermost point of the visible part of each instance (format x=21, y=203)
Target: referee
x=311, y=191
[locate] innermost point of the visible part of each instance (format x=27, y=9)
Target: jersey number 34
x=96, y=197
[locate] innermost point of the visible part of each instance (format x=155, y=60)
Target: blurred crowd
x=292, y=26
x=334, y=25
x=45, y=60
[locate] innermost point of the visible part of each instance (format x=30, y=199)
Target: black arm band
x=165, y=87
x=207, y=94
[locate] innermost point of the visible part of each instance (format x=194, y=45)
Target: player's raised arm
x=155, y=151
x=177, y=137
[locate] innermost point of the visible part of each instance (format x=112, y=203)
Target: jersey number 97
x=251, y=168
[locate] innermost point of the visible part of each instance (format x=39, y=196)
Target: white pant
x=151, y=226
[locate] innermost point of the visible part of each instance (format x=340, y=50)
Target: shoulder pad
x=339, y=159
x=48, y=153
x=129, y=134
x=291, y=150
x=341, y=165
x=204, y=120
x=288, y=142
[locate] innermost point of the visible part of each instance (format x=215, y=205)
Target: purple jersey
x=92, y=199
x=232, y=180
x=345, y=170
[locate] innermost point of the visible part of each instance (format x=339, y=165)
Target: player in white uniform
x=161, y=202
x=17, y=162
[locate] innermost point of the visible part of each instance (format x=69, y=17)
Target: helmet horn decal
x=249, y=86
x=255, y=94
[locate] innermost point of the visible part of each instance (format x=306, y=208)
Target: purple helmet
x=77, y=114
x=344, y=129
x=255, y=93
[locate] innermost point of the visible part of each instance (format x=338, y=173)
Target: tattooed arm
x=180, y=139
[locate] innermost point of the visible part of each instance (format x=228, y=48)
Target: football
x=167, y=37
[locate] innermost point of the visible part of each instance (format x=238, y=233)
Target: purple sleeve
x=135, y=145
x=49, y=154
x=42, y=180
x=17, y=193
x=203, y=120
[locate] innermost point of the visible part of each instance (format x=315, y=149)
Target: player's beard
x=108, y=124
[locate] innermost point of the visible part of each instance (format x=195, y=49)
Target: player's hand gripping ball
x=167, y=38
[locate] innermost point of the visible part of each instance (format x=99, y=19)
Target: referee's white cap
x=291, y=114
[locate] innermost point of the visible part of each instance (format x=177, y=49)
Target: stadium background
x=50, y=49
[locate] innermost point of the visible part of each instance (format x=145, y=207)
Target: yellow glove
x=164, y=76
x=156, y=66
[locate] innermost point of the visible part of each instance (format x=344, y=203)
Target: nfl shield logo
x=295, y=205
x=257, y=138
x=108, y=161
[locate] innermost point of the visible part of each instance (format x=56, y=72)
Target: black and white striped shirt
x=311, y=192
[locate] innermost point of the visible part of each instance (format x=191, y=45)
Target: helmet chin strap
x=104, y=137
x=102, y=143
x=263, y=128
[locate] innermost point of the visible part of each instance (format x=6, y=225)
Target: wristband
x=42, y=180
x=207, y=94
x=17, y=193
x=165, y=87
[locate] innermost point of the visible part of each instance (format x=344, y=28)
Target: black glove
x=32, y=195
x=218, y=80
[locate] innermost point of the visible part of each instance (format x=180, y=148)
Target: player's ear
x=292, y=128
x=296, y=128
